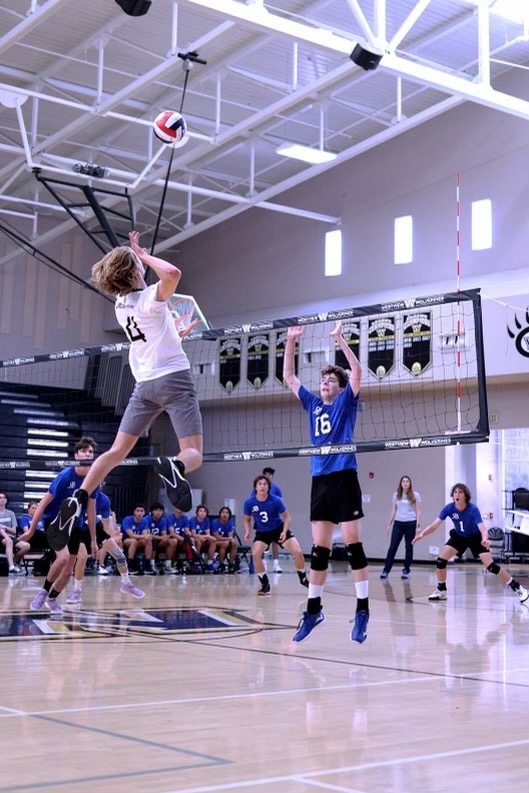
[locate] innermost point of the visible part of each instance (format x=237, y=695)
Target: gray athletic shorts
x=174, y=394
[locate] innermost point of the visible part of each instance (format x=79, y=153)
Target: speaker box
x=365, y=59
x=134, y=8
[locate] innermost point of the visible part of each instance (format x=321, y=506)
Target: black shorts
x=336, y=498
x=101, y=536
x=268, y=537
x=39, y=541
x=461, y=544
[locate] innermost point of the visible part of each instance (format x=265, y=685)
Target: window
x=403, y=253
x=333, y=252
x=481, y=224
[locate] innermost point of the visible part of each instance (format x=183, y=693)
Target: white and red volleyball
x=169, y=126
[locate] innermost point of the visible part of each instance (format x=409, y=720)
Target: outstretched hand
x=294, y=331
x=134, y=238
x=336, y=332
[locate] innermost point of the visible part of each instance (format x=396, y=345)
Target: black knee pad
x=441, y=563
x=356, y=556
x=319, y=557
x=494, y=568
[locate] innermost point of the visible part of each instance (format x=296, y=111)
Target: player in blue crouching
x=272, y=524
x=336, y=497
x=470, y=532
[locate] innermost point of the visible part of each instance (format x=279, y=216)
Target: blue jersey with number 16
x=331, y=425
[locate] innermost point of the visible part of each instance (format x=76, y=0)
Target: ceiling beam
x=312, y=172
x=450, y=83
x=32, y=21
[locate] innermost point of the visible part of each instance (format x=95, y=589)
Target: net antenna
x=187, y=314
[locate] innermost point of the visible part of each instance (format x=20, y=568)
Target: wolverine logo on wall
x=521, y=335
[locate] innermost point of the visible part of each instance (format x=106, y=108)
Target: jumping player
x=336, y=497
x=469, y=532
x=160, y=368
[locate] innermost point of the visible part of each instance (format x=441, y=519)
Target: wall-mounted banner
x=381, y=346
x=229, y=363
x=281, y=340
x=351, y=334
x=417, y=342
x=258, y=359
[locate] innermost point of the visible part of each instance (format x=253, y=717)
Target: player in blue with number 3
x=469, y=532
x=160, y=368
x=336, y=497
x=272, y=524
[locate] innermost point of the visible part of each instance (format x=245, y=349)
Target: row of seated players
x=149, y=534
x=199, y=536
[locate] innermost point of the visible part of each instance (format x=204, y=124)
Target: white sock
x=362, y=589
x=315, y=590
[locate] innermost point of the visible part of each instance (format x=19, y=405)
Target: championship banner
x=229, y=363
x=258, y=359
x=417, y=342
x=351, y=334
x=381, y=346
x=281, y=340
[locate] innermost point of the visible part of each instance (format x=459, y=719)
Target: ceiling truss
x=78, y=89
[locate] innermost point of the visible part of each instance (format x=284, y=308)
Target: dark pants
x=401, y=529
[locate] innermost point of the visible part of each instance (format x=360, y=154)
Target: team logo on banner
x=258, y=359
x=351, y=334
x=417, y=342
x=381, y=346
x=281, y=340
x=521, y=335
x=229, y=363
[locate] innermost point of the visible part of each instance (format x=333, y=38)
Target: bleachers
x=39, y=423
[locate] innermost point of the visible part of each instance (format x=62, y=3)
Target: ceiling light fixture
x=304, y=153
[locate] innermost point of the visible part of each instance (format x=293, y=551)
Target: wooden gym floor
x=198, y=687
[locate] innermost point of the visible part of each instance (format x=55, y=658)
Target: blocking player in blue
x=65, y=541
x=272, y=524
x=469, y=532
x=336, y=497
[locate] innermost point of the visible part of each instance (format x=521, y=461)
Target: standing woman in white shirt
x=404, y=520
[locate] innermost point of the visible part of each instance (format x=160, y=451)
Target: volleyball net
x=423, y=384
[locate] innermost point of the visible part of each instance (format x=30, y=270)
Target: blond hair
x=115, y=273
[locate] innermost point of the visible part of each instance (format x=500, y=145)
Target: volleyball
x=381, y=371
x=169, y=126
x=416, y=368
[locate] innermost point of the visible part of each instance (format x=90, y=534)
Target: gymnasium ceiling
x=81, y=81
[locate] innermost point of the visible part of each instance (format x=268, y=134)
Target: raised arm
x=289, y=367
x=167, y=273
x=355, y=377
